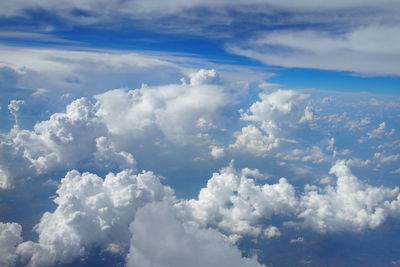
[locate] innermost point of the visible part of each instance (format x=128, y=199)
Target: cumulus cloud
x=314, y=154
x=173, y=110
x=350, y=205
x=272, y=117
x=159, y=238
x=165, y=231
x=96, y=213
x=12, y=165
x=217, y=152
x=67, y=140
x=236, y=205
x=254, y=140
x=383, y=158
x=272, y=231
x=91, y=212
x=10, y=237
x=14, y=108
x=376, y=133
x=102, y=135
x=275, y=106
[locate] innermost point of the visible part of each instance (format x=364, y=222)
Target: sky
x=199, y=133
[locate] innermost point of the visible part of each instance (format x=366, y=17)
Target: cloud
x=236, y=205
x=397, y=171
x=312, y=154
x=102, y=134
x=14, y=108
x=297, y=240
x=78, y=72
x=96, y=213
x=365, y=49
x=84, y=72
x=10, y=237
x=140, y=7
x=271, y=117
x=253, y=140
x=76, y=138
x=351, y=205
x=160, y=239
x=272, y=231
x=217, y=152
x=91, y=212
x=174, y=110
x=376, y=133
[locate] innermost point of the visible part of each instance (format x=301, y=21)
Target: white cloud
x=174, y=110
x=160, y=239
x=397, y=171
x=367, y=49
x=14, y=108
x=358, y=125
x=314, y=154
x=234, y=204
x=204, y=77
x=356, y=162
x=10, y=237
x=297, y=240
x=254, y=173
x=12, y=165
x=308, y=115
x=325, y=180
x=272, y=231
x=108, y=158
x=63, y=71
x=376, y=133
x=217, y=152
x=254, y=140
x=351, y=205
x=140, y=8
x=76, y=138
x=275, y=106
x=272, y=118
x=91, y=212
x=77, y=72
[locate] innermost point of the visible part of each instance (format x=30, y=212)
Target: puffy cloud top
x=91, y=212
x=67, y=140
x=10, y=237
x=271, y=117
x=352, y=205
x=235, y=204
x=160, y=239
x=174, y=110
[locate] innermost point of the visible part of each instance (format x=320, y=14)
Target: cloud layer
x=166, y=231
x=299, y=135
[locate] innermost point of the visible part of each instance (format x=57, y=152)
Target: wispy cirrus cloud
x=368, y=50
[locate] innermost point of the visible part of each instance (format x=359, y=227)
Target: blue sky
x=238, y=133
